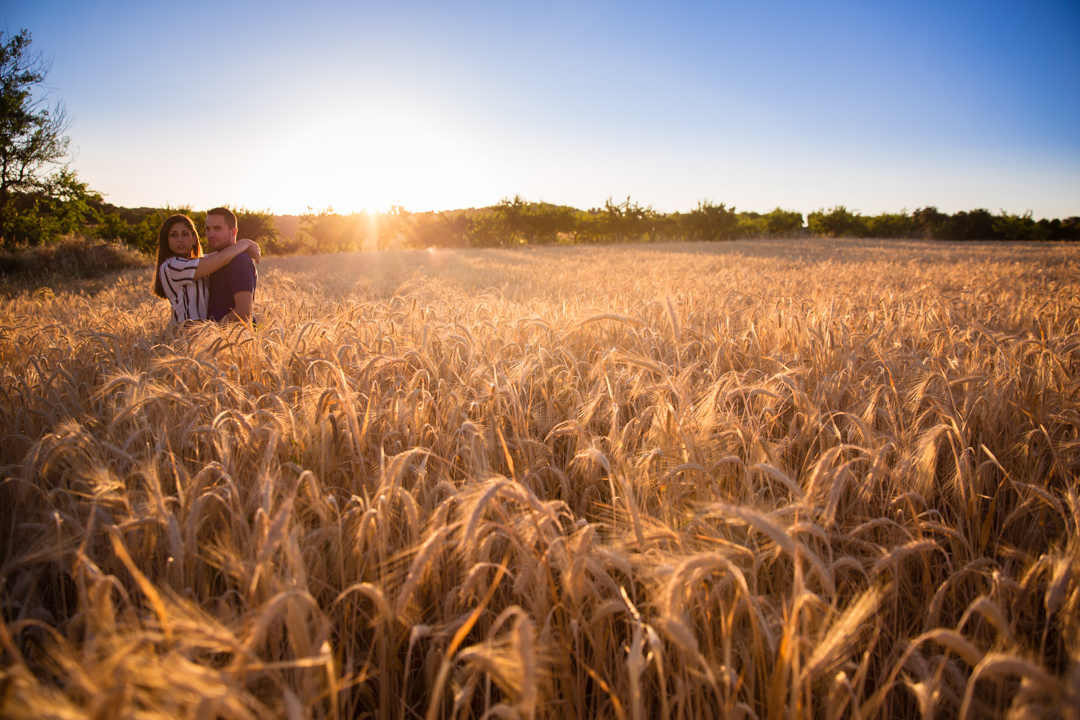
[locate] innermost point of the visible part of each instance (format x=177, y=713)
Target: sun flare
x=371, y=160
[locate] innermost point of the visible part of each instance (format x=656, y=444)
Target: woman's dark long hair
x=164, y=252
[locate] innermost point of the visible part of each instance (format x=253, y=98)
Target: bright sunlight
x=371, y=159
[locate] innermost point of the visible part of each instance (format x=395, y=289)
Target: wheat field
x=772, y=479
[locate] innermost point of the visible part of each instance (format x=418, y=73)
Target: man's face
x=219, y=235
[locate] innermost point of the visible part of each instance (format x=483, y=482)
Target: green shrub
x=890, y=225
x=711, y=222
x=751, y=225
x=837, y=222
x=783, y=222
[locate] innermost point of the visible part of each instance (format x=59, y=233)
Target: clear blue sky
x=879, y=106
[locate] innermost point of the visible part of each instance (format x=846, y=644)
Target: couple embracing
x=218, y=286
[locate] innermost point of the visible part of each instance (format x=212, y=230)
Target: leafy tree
x=391, y=228
x=1067, y=229
x=257, y=225
x=665, y=226
x=974, y=225
x=783, y=222
x=511, y=214
x=589, y=226
x=751, y=224
x=1018, y=227
x=710, y=222
x=327, y=231
x=626, y=221
x=553, y=223
x=60, y=207
x=484, y=229
x=837, y=222
x=776, y=223
x=437, y=229
x=929, y=222
x=113, y=227
x=523, y=222
x=143, y=234
x=889, y=225
x=32, y=140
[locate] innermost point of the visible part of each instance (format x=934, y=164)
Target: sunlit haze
x=879, y=107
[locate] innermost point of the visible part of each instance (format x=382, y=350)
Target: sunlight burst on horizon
x=369, y=159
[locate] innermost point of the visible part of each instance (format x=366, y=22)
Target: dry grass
x=800, y=479
x=69, y=257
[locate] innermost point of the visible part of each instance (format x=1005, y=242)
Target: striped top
x=189, y=297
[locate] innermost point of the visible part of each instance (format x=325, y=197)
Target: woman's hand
x=252, y=249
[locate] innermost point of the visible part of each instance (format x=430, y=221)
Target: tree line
x=42, y=200
x=928, y=222
x=516, y=222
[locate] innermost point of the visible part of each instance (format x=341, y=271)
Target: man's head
x=220, y=228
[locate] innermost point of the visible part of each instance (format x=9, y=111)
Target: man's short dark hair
x=230, y=218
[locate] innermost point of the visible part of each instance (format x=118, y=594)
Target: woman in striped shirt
x=182, y=269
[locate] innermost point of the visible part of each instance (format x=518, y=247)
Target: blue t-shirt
x=238, y=276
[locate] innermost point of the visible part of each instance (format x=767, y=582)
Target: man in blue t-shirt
x=232, y=288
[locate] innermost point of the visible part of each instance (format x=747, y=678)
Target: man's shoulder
x=242, y=260
x=241, y=271
x=239, y=265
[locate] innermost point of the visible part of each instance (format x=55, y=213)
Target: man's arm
x=242, y=302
